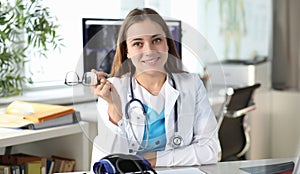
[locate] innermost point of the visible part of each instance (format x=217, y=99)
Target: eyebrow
x=138, y=38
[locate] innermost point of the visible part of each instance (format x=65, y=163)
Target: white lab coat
x=196, y=123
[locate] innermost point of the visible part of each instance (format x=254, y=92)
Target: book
x=38, y=112
x=18, y=159
x=68, y=166
x=50, y=166
x=5, y=169
x=11, y=119
x=18, y=162
x=15, y=169
x=47, y=164
x=21, y=163
x=59, y=121
x=62, y=164
x=14, y=121
x=33, y=167
x=22, y=169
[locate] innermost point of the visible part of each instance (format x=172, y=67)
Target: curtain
x=286, y=45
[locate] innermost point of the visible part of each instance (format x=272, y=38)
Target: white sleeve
x=112, y=137
x=102, y=108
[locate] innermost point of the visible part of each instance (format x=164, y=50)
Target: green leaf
x=24, y=24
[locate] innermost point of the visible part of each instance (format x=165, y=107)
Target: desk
x=233, y=166
x=224, y=167
x=70, y=141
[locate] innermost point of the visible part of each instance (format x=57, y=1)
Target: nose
x=148, y=48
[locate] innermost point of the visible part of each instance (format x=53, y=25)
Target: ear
x=127, y=54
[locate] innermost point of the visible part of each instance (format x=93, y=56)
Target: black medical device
x=123, y=163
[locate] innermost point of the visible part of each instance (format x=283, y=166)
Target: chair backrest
x=233, y=136
x=240, y=98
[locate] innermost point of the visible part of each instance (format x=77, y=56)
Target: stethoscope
x=176, y=140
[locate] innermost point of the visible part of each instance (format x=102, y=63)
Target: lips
x=151, y=61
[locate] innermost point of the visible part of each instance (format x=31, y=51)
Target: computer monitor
x=100, y=38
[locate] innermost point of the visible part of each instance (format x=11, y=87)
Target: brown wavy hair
x=122, y=64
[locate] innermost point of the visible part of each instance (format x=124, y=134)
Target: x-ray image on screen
x=99, y=41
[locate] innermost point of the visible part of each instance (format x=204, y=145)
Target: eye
x=157, y=40
x=137, y=44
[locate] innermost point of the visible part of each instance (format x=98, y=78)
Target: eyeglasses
x=88, y=79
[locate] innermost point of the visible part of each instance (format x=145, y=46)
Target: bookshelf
x=71, y=141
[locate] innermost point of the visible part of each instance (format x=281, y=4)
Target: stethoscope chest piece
x=176, y=141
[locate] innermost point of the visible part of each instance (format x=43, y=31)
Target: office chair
x=233, y=131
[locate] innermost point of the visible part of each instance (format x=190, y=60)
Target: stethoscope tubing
x=144, y=110
x=133, y=99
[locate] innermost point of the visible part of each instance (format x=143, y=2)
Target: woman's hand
x=106, y=90
x=151, y=157
x=103, y=89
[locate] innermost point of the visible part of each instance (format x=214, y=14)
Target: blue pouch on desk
x=122, y=163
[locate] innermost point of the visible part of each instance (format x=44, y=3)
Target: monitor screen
x=100, y=38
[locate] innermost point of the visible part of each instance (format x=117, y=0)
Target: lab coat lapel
x=172, y=95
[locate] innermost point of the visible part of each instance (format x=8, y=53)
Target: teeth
x=152, y=60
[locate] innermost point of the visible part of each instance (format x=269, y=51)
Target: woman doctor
x=162, y=112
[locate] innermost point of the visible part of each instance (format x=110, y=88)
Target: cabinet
x=70, y=141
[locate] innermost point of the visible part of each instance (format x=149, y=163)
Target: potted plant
x=24, y=25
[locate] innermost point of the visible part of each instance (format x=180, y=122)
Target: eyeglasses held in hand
x=88, y=79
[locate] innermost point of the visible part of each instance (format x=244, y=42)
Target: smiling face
x=147, y=46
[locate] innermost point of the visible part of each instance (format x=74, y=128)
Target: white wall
x=285, y=124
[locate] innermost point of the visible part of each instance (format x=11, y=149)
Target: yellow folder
x=38, y=112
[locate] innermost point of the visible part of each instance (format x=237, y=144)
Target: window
x=51, y=71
